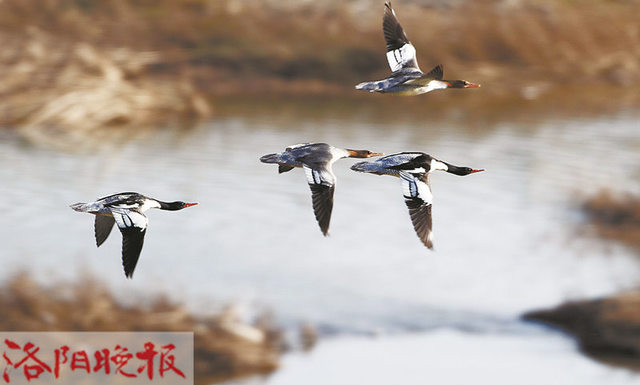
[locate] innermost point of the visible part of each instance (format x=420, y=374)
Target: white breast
x=433, y=85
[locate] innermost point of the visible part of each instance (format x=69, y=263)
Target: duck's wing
x=133, y=226
x=322, y=183
x=396, y=78
x=284, y=168
x=418, y=198
x=400, y=52
x=102, y=228
x=120, y=199
x=410, y=162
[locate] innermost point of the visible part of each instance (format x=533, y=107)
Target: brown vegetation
x=607, y=329
x=96, y=63
x=224, y=346
x=615, y=217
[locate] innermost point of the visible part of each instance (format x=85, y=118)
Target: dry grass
x=567, y=41
x=224, y=346
x=166, y=56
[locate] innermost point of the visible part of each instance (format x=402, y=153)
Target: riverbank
x=77, y=66
x=608, y=328
x=225, y=346
x=615, y=216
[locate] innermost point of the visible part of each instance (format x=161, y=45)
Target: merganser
x=413, y=169
x=316, y=159
x=127, y=210
x=406, y=77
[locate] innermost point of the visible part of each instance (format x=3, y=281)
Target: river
x=507, y=240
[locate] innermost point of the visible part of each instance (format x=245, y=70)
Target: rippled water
x=506, y=241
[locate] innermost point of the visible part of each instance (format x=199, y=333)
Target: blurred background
x=177, y=100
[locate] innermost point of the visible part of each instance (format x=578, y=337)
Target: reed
x=225, y=347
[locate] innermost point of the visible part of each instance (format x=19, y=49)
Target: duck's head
x=177, y=205
x=460, y=84
x=462, y=171
x=362, y=153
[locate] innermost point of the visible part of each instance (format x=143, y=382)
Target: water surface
x=506, y=241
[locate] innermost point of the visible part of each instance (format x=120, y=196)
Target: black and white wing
x=418, y=198
x=133, y=226
x=322, y=184
x=400, y=52
x=102, y=228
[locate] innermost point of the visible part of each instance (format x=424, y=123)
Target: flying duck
x=413, y=169
x=406, y=77
x=316, y=159
x=127, y=210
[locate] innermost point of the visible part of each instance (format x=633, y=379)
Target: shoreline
x=57, y=74
x=225, y=346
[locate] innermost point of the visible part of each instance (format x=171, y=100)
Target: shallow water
x=447, y=358
x=506, y=241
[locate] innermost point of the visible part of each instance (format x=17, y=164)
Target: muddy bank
x=606, y=329
x=225, y=346
x=87, y=64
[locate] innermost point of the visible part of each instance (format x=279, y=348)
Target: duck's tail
x=369, y=86
x=283, y=165
x=365, y=167
x=271, y=158
x=82, y=207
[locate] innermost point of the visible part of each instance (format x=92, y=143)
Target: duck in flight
x=127, y=211
x=413, y=169
x=406, y=77
x=316, y=159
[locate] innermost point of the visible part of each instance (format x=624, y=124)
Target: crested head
x=177, y=205
x=362, y=153
x=460, y=84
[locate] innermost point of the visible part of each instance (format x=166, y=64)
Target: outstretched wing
x=322, y=184
x=400, y=52
x=132, y=241
x=102, y=228
x=133, y=226
x=418, y=198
